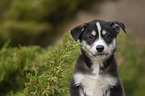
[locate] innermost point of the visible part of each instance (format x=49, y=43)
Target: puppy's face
x=99, y=37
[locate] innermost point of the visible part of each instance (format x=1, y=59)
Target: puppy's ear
x=117, y=26
x=77, y=31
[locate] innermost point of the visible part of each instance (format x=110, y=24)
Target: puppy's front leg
x=75, y=90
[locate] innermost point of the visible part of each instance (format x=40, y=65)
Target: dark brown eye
x=107, y=36
x=91, y=37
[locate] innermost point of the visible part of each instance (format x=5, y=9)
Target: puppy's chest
x=95, y=84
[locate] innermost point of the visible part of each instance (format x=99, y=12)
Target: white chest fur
x=94, y=84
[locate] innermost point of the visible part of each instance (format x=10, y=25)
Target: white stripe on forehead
x=99, y=28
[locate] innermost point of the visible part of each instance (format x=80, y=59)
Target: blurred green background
x=37, y=59
x=36, y=22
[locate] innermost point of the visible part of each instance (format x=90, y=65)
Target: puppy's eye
x=91, y=37
x=107, y=36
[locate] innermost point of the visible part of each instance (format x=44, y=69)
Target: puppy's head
x=98, y=36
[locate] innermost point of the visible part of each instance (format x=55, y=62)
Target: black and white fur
x=97, y=77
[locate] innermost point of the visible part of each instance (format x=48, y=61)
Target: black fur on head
x=77, y=31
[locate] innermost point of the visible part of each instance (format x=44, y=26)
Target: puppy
x=96, y=72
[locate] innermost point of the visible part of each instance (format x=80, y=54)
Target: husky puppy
x=97, y=77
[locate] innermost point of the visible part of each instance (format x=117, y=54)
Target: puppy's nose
x=100, y=48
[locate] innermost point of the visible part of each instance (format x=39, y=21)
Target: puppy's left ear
x=117, y=26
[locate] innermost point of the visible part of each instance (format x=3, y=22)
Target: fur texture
x=97, y=77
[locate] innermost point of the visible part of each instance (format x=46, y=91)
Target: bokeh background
x=30, y=30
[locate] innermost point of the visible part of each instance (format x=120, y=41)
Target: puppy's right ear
x=77, y=31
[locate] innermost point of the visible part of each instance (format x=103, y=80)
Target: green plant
x=50, y=80
x=14, y=64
